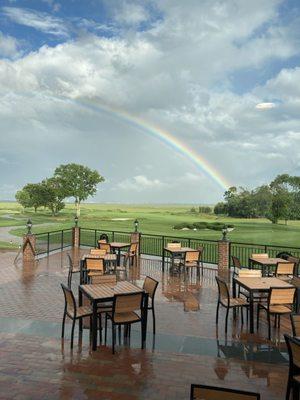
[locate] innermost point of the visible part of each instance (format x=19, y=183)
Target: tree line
x=69, y=180
x=280, y=200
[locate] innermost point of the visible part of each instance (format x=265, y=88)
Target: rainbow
x=164, y=136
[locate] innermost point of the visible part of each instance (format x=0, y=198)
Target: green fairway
x=153, y=219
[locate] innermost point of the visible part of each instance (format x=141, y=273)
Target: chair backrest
x=236, y=263
x=70, y=261
x=259, y=255
x=127, y=302
x=70, y=270
x=223, y=291
x=133, y=248
x=174, y=246
x=98, y=252
x=104, y=246
x=293, y=346
x=287, y=268
x=293, y=259
x=70, y=303
x=251, y=273
x=295, y=320
x=94, y=264
x=204, y=392
x=281, y=296
x=108, y=279
x=192, y=256
x=103, y=238
x=150, y=286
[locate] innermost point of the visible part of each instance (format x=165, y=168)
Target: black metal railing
x=51, y=241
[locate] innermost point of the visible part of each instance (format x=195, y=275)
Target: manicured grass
x=153, y=219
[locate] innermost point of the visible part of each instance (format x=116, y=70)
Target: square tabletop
x=262, y=284
x=267, y=260
x=119, y=245
x=106, y=291
x=179, y=249
x=106, y=257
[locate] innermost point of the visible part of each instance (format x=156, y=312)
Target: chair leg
x=242, y=315
x=288, y=389
x=153, y=318
x=217, y=313
x=119, y=332
x=295, y=392
x=142, y=335
x=278, y=320
x=113, y=337
x=226, y=319
x=100, y=328
x=72, y=333
x=257, y=317
x=105, y=328
x=63, y=325
x=275, y=321
x=269, y=326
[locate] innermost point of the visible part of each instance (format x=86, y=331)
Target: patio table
x=99, y=293
x=265, y=262
x=119, y=246
x=172, y=251
x=257, y=285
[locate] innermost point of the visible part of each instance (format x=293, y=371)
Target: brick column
x=29, y=248
x=223, y=255
x=135, y=237
x=76, y=236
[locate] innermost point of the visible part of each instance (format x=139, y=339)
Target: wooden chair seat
x=95, y=272
x=83, y=311
x=191, y=264
x=297, y=379
x=277, y=309
x=126, y=317
x=237, y=302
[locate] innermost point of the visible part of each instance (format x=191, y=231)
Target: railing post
x=76, y=236
x=223, y=256
x=62, y=239
x=48, y=243
x=29, y=251
x=95, y=239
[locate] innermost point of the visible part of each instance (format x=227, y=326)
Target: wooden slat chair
x=94, y=266
x=251, y=273
x=126, y=310
x=105, y=279
x=237, y=266
x=103, y=238
x=295, y=260
x=178, y=258
x=98, y=252
x=228, y=302
x=132, y=254
x=285, y=271
x=295, y=320
x=71, y=271
x=104, y=246
x=192, y=259
x=150, y=286
x=293, y=346
x=204, y=392
x=73, y=312
x=280, y=302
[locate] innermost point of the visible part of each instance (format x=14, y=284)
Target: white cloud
x=38, y=20
x=9, y=46
x=140, y=183
x=265, y=106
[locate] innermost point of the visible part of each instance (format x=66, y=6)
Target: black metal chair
x=71, y=271
x=150, y=286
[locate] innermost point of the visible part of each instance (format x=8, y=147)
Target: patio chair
x=237, y=266
x=285, y=271
x=295, y=320
x=104, y=246
x=105, y=279
x=124, y=312
x=71, y=271
x=73, y=312
x=132, y=254
x=293, y=346
x=251, y=273
x=150, y=286
x=94, y=266
x=192, y=259
x=104, y=238
x=295, y=260
x=280, y=302
x=204, y=392
x=228, y=302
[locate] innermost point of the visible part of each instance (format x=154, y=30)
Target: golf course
x=153, y=219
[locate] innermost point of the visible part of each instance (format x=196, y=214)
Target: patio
x=186, y=349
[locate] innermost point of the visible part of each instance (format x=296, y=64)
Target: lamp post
x=76, y=221
x=136, y=225
x=224, y=232
x=29, y=226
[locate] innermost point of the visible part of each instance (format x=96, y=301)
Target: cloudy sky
x=113, y=84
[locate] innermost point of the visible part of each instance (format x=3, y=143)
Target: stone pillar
x=28, y=248
x=223, y=256
x=76, y=236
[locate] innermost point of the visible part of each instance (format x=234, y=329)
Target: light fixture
x=76, y=220
x=29, y=226
x=136, y=225
x=224, y=232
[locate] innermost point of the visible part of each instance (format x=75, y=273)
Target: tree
x=56, y=195
x=23, y=197
x=33, y=195
x=77, y=181
x=221, y=208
